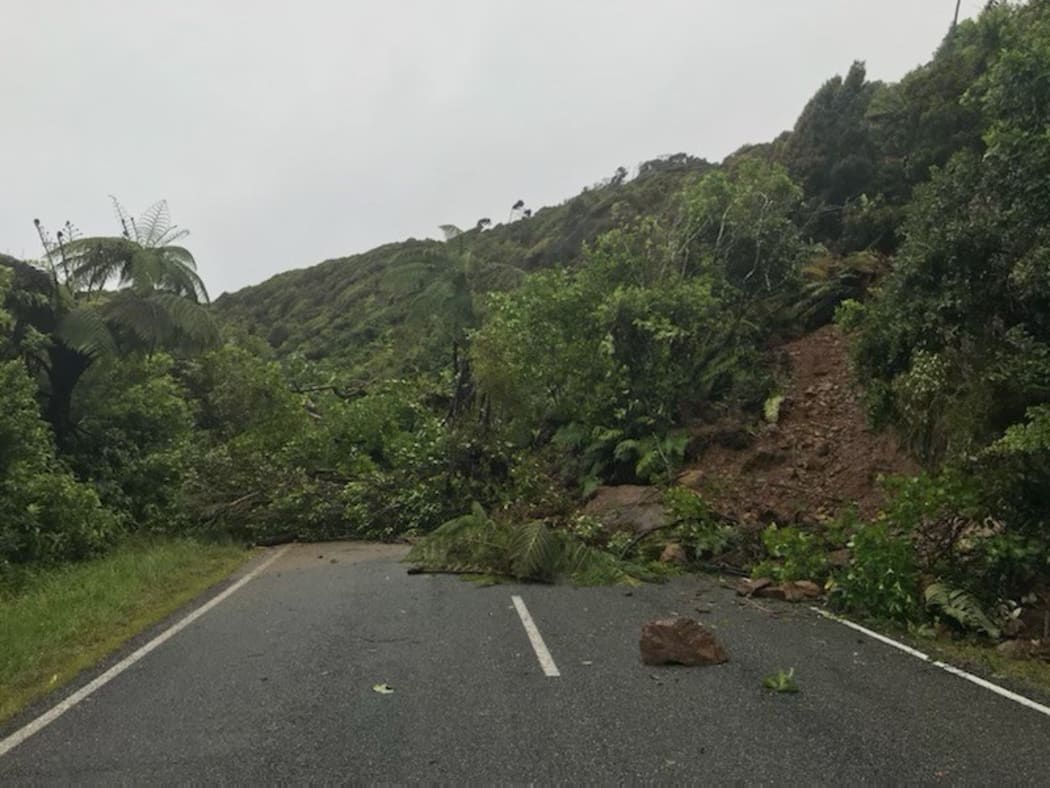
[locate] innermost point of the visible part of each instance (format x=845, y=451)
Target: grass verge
x=63, y=620
x=980, y=658
x=1024, y=674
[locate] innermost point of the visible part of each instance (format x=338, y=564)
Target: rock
x=771, y=592
x=673, y=554
x=680, y=641
x=628, y=507
x=801, y=590
x=747, y=587
x=694, y=479
x=790, y=591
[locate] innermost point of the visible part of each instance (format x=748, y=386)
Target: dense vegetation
x=516, y=367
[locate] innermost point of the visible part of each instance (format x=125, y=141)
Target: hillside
x=344, y=310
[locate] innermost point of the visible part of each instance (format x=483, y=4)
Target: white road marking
x=1001, y=691
x=45, y=719
x=542, y=654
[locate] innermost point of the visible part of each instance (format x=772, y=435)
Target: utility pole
x=955, y=22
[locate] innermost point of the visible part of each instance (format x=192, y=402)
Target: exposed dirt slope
x=818, y=458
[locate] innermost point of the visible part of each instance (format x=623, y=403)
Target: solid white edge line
x=1001, y=691
x=542, y=654
x=45, y=719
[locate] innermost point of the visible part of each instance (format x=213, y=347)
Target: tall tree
x=443, y=285
x=137, y=292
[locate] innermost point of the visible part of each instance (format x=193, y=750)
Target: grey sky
x=284, y=133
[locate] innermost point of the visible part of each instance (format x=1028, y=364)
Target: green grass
x=60, y=621
x=1025, y=674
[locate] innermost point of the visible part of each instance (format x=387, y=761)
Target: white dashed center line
x=542, y=653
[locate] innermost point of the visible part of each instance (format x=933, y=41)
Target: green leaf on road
x=781, y=681
x=383, y=689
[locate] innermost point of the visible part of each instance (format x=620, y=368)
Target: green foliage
x=741, y=230
x=349, y=310
x=771, y=408
x=476, y=544
x=134, y=440
x=694, y=526
x=793, y=555
x=606, y=454
x=607, y=358
x=66, y=319
x=781, y=681
x=881, y=580
x=46, y=515
x=830, y=281
x=832, y=154
x=589, y=530
x=961, y=607
x=956, y=346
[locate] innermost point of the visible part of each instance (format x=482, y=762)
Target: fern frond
x=123, y=217
x=172, y=235
x=589, y=566
x=188, y=319
x=154, y=223
x=534, y=552
x=84, y=331
x=139, y=319
x=471, y=541
x=180, y=254
x=961, y=607
x=627, y=450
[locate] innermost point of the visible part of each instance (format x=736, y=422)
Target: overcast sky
x=285, y=133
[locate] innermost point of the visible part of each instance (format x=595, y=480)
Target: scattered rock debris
x=789, y=590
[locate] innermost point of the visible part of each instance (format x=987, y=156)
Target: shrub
x=694, y=525
x=46, y=515
x=881, y=580
x=793, y=555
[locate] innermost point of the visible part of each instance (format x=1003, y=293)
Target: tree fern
x=84, y=331
x=534, y=552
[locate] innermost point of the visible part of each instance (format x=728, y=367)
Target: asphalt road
x=274, y=684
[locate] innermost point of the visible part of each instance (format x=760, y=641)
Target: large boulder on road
x=680, y=641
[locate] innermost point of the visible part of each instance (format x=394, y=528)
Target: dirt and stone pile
x=818, y=457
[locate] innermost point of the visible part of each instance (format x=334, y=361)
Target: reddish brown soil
x=818, y=458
